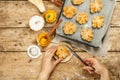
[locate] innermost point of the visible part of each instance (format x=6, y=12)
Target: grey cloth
x=102, y=50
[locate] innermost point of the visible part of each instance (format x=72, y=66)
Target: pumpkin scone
x=82, y=18
x=69, y=11
x=96, y=6
x=98, y=22
x=62, y=51
x=87, y=34
x=69, y=28
x=77, y=2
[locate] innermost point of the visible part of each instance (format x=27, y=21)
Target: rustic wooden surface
x=15, y=37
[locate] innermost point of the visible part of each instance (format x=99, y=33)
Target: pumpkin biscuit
x=69, y=28
x=87, y=34
x=98, y=22
x=77, y=2
x=96, y=6
x=82, y=18
x=62, y=52
x=69, y=11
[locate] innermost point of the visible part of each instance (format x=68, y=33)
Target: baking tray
x=107, y=11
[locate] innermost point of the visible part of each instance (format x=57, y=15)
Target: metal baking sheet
x=107, y=11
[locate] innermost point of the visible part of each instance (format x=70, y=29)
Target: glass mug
x=43, y=39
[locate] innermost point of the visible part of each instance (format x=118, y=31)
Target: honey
x=43, y=39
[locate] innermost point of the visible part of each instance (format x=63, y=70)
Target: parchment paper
x=107, y=11
x=102, y=50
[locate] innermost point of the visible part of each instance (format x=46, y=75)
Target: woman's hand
x=99, y=68
x=48, y=63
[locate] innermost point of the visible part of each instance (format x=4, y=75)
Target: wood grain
x=18, y=66
x=15, y=37
x=18, y=13
x=18, y=39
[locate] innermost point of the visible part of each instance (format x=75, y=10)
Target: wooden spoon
x=54, y=28
x=47, y=36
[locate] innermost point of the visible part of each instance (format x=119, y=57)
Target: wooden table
x=16, y=36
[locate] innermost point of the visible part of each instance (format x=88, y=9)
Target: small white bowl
x=36, y=23
x=34, y=51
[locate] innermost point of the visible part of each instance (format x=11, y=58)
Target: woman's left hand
x=49, y=63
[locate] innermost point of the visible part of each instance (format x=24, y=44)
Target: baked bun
x=62, y=51
x=69, y=11
x=87, y=34
x=77, y=2
x=82, y=18
x=96, y=6
x=69, y=28
x=98, y=22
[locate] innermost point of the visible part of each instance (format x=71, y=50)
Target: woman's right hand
x=99, y=68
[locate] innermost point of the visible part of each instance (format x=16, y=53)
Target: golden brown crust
x=82, y=18
x=69, y=11
x=98, y=22
x=77, y=2
x=69, y=28
x=87, y=34
x=96, y=6
x=62, y=51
